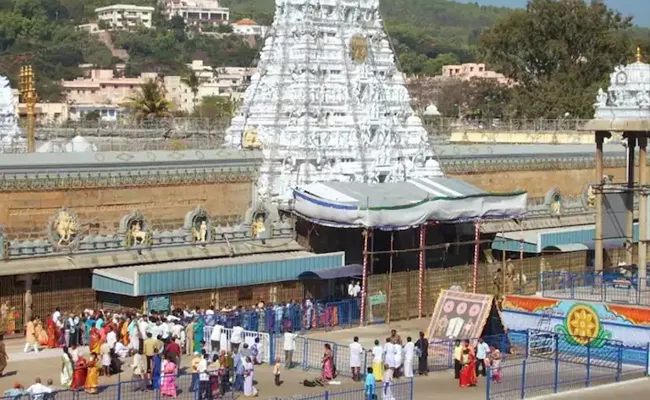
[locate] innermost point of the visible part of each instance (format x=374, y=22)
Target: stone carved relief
x=63, y=229
x=199, y=224
x=627, y=96
x=135, y=230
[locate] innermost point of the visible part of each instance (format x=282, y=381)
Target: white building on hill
x=125, y=16
x=197, y=12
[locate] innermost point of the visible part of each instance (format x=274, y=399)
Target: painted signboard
x=586, y=322
x=459, y=315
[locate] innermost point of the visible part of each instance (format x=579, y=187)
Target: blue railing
x=323, y=315
x=592, y=286
x=132, y=390
x=552, y=363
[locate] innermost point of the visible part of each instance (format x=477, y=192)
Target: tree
x=216, y=107
x=193, y=82
x=150, y=101
x=559, y=52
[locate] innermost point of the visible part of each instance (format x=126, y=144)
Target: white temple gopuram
x=327, y=102
x=11, y=138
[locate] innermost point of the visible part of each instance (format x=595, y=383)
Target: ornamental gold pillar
x=30, y=99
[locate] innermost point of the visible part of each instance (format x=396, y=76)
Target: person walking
x=422, y=347
x=378, y=361
x=355, y=359
x=30, y=336
x=409, y=355
x=4, y=358
x=458, y=356
x=205, y=389
x=482, y=352
x=289, y=347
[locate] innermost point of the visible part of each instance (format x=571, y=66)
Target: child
x=276, y=372
x=370, y=385
x=387, y=393
x=495, y=364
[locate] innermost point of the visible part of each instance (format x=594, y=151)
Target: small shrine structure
x=624, y=108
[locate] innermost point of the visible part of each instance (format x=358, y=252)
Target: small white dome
x=79, y=144
x=431, y=111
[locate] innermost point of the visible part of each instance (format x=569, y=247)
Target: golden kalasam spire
x=639, y=57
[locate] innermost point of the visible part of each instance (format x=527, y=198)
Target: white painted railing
x=247, y=337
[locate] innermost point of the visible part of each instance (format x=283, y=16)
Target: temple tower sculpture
x=327, y=102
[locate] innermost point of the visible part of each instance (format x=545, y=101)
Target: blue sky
x=639, y=9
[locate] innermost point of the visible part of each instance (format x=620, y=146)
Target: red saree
x=52, y=334
x=468, y=373
x=80, y=372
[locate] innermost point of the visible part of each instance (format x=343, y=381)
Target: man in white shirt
x=56, y=318
x=215, y=338
x=236, y=338
x=482, y=351
x=205, y=389
x=357, y=289
x=37, y=391
x=289, y=347
x=111, y=338
x=355, y=359
x=389, y=354
x=409, y=354
x=351, y=289
x=142, y=332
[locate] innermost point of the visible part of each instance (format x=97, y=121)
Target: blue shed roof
x=535, y=241
x=144, y=280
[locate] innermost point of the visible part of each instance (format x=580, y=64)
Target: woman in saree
x=52, y=334
x=67, y=369
x=328, y=366
x=41, y=334
x=95, y=341
x=132, y=330
x=156, y=370
x=249, y=379
x=468, y=371
x=198, y=334
x=168, y=387
x=80, y=374
x=92, y=378
x=124, y=332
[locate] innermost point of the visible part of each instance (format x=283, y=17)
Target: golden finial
x=638, y=54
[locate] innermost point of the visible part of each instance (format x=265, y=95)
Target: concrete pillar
x=598, y=240
x=643, y=217
x=629, y=224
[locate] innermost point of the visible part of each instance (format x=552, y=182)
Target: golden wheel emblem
x=359, y=49
x=583, y=324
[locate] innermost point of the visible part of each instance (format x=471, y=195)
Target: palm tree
x=192, y=80
x=150, y=101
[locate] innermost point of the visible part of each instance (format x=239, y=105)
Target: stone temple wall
x=67, y=202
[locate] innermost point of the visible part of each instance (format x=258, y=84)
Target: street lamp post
x=30, y=99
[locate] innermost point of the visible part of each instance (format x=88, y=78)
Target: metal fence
x=323, y=315
x=130, y=390
x=552, y=363
x=591, y=286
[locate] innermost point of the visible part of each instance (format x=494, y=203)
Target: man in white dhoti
x=389, y=353
x=355, y=359
x=409, y=354
x=399, y=358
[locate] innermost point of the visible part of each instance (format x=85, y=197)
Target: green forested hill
x=421, y=29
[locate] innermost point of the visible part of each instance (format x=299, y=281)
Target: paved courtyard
x=24, y=368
